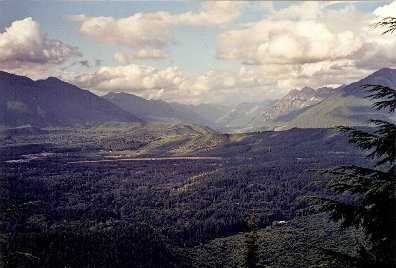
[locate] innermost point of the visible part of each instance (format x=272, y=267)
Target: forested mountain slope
x=52, y=102
x=348, y=106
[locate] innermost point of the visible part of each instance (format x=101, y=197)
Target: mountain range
x=346, y=106
x=52, y=102
x=220, y=117
x=156, y=110
x=295, y=100
x=324, y=107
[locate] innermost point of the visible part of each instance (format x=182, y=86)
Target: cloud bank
x=307, y=33
x=145, y=81
x=152, y=30
x=23, y=45
x=222, y=85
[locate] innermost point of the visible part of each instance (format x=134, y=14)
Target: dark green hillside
x=347, y=107
x=336, y=110
x=52, y=102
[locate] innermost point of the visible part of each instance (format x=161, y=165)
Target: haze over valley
x=52, y=102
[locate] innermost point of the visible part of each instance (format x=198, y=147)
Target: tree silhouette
x=250, y=254
x=388, y=23
x=373, y=209
x=7, y=256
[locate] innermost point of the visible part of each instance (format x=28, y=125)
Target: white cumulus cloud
x=219, y=85
x=310, y=44
x=124, y=58
x=303, y=10
x=137, y=31
x=153, y=30
x=142, y=80
x=386, y=11
x=212, y=13
x=24, y=46
x=286, y=42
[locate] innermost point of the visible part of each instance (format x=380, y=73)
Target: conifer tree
x=250, y=254
x=374, y=208
x=7, y=257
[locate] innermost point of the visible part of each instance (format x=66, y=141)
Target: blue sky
x=193, y=52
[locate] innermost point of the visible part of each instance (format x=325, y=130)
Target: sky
x=196, y=52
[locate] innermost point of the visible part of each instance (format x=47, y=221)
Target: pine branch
x=374, y=210
x=382, y=141
x=388, y=23
x=332, y=256
x=347, y=214
x=387, y=94
x=358, y=171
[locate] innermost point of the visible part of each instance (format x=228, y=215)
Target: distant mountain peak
x=294, y=101
x=307, y=90
x=347, y=106
x=53, y=79
x=154, y=110
x=52, y=102
x=15, y=79
x=302, y=93
x=381, y=73
x=384, y=70
x=384, y=77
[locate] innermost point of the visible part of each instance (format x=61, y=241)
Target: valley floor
x=166, y=195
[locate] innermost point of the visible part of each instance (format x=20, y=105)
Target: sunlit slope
x=336, y=110
x=350, y=106
x=157, y=139
x=163, y=139
x=125, y=140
